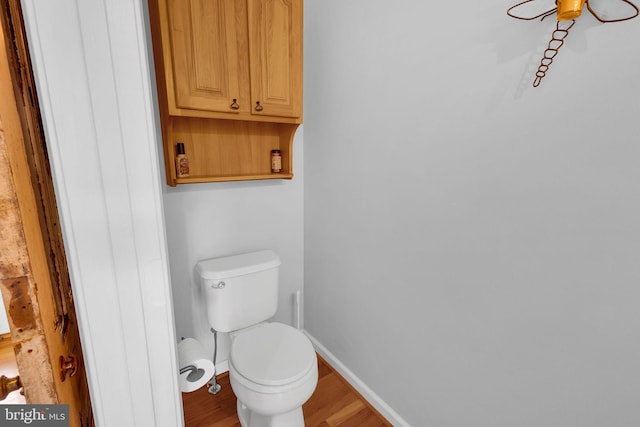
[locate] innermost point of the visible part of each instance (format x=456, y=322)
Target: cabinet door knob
x=234, y=104
x=258, y=106
x=68, y=366
x=7, y=385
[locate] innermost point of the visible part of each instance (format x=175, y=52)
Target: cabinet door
x=204, y=47
x=275, y=57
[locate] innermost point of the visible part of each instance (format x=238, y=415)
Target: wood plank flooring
x=334, y=403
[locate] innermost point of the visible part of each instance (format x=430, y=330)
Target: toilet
x=273, y=368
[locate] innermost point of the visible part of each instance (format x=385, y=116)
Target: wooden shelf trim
x=221, y=178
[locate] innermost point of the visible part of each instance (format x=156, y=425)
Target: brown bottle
x=182, y=161
x=276, y=161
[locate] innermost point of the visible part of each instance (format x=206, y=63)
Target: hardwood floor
x=9, y=368
x=334, y=403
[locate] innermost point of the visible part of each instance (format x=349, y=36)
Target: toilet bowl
x=273, y=371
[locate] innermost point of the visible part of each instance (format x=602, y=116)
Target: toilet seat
x=272, y=357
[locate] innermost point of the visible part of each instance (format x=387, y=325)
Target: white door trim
x=94, y=85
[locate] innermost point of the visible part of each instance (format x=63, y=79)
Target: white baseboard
x=375, y=400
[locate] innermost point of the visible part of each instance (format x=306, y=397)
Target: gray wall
x=217, y=219
x=472, y=243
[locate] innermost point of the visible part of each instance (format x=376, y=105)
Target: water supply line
x=214, y=387
x=298, y=310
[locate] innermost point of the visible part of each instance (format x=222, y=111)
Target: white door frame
x=91, y=66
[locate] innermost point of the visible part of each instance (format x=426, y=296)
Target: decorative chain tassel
x=556, y=42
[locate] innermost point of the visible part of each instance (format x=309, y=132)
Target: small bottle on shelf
x=182, y=161
x=276, y=161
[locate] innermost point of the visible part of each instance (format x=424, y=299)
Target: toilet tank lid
x=237, y=265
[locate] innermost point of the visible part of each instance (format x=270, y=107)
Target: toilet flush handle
x=219, y=285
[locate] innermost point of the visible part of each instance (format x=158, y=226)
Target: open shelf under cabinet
x=228, y=150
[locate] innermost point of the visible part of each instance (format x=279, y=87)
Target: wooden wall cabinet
x=229, y=76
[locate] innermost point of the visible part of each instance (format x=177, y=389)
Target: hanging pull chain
x=556, y=42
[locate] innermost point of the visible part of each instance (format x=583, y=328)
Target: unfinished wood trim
x=17, y=283
x=26, y=102
x=37, y=291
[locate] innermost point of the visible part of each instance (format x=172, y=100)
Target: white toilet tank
x=239, y=290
